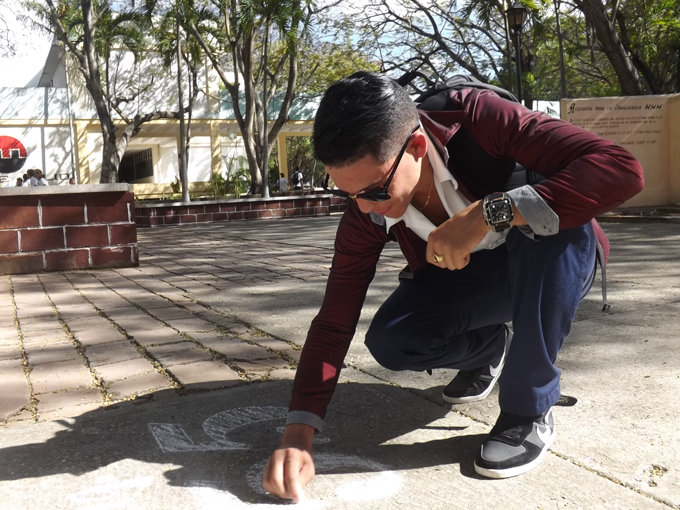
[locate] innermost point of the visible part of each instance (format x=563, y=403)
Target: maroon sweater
x=585, y=176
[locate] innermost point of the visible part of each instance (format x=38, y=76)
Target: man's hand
x=290, y=468
x=454, y=239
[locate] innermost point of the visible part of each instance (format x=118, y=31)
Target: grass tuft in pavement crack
x=33, y=405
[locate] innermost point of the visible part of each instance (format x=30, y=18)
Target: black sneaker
x=476, y=384
x=515, y=445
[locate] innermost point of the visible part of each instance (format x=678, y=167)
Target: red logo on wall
x=12, y=155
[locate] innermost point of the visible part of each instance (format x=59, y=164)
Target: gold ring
x=437, y=258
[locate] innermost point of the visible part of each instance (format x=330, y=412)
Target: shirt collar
x=441, y=174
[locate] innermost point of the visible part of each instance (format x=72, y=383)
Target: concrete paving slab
x=60, y=375
x=44, y=338
x=236, y=349
x=90, y=323
x=124, y=369
x=384, y=448
x=113, y=352
x=10, y=351
x=179, y=353
x=137, y=385
x=206, y=375
x=15, y=394
x=54, y=401
x=157, y=336
x=105, y=334
x=7, y=330
x=57, y=351
x=190, y=325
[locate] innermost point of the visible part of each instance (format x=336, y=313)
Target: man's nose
x=366, y=206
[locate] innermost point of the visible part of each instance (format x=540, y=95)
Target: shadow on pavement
x=222, y=440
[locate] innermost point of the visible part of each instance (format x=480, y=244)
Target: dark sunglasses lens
x=377, y=196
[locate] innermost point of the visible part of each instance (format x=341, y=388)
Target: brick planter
x=174, y=213
x=60, y=228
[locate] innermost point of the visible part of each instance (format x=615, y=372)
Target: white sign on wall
x=641, y=124
x=47, y=148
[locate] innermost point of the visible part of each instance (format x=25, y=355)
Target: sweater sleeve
x=586, y=174
x=358, y=245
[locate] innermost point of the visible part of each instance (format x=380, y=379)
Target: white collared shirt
x=452, y=199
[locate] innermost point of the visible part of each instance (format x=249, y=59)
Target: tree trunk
x=92, y=75
x=265, y=123
x=563, y=71
x=612, y=46
x=182, y=159
x=110, y=158
x=508, y=47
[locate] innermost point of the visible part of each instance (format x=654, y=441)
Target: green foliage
x=240, y=35
x=650, y=31
x=176, y=186
x=237, y=180
x=117, y=26
x=440, y=39
x=327, y=62
x=164, y=31
x=218, y=185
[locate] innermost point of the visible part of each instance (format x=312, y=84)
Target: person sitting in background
x=71, y=181
x=29, y=179
x=20, y=182
x=41, y=181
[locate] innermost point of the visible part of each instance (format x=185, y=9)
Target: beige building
x=54, y=127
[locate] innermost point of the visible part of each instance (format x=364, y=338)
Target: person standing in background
x=283, y=183
x=297, y=180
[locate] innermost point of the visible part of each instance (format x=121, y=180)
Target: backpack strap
x=435, y=98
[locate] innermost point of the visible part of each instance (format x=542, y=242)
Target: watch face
x=499, y=212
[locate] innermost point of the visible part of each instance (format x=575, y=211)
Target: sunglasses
x=379, y=194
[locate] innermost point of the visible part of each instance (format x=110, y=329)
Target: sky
x=32, y=48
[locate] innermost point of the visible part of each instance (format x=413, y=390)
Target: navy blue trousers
x=454, y=319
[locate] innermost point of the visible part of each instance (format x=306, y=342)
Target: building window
x=137, y=166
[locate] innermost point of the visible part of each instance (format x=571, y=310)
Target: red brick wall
x=247, y=209
x=56, y=232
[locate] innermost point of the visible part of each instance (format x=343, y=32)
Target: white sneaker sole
x=482, y=396
x=519, y=470
x=473, y=398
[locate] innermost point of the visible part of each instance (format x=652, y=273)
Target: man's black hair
x=365, y=113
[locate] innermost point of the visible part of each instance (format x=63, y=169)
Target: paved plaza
x=165, y=385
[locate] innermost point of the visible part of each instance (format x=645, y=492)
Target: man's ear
x=419, y=144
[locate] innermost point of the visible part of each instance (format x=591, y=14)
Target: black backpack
x=436, y=98
x=296, y=178
x=433, y=99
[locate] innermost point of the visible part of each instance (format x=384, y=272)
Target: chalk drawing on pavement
x=171, y=437
x=376, y=480
x=210, y=498
x=370, y=480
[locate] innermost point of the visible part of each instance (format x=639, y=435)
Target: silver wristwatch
x=498, y=213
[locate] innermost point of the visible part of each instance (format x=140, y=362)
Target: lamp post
x=516, y=16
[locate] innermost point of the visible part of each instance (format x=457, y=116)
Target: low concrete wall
x=173, y=213
x=67, y=227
